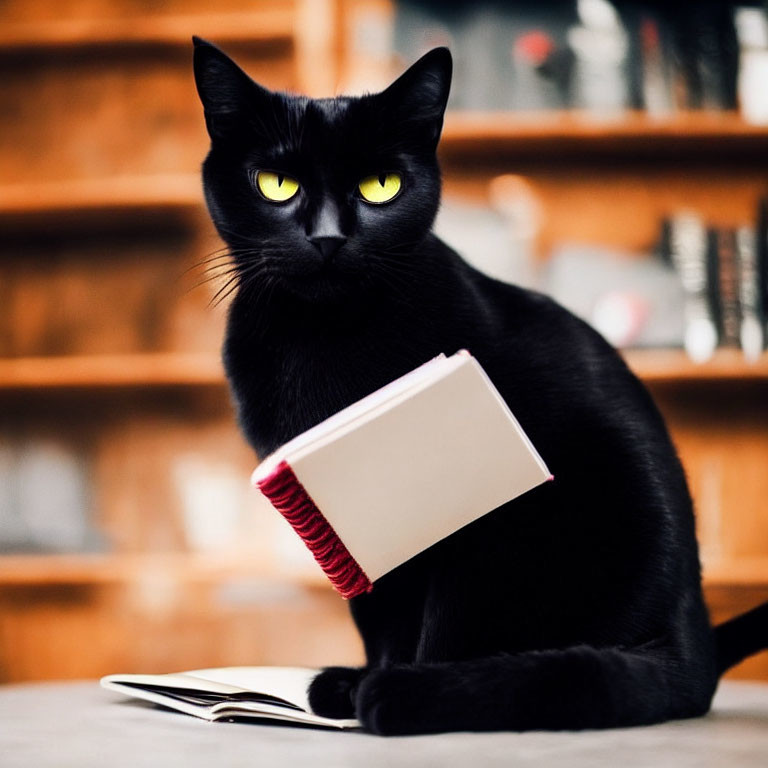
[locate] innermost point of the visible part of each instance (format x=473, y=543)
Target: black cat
x=578, y=605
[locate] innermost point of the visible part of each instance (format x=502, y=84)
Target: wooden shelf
x=22, y=204
x=489, y=134
x=744, y=572
x=566, y=132
x=161, y=369
x=655, y=366
x=179, y=369
x=273, y=25
x=98, y=569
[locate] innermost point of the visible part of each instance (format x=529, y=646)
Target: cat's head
x=322, y=196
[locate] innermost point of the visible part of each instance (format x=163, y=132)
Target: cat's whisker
x=221, y=252
x=238, y=277
x=214, y=277
x=223, y=264
x=220, y=269
x=217, y=259
x=204, y=262
x=216, y=270
x=223, y=292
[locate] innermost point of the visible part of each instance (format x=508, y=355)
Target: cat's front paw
x=390, y=701
x=332, y=692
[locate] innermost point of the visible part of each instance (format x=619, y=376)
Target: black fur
x=578, y=605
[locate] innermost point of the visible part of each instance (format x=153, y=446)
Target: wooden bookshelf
x=178, y=369
x=27, y=570
x=160, y=369
x=483, y=133
x=274, y=24
x=747, y=572
x=104, y=141
x=77, y=200
x=557, y=133
x=611, y=182
x=598, y=181
x=92, y=569
x=82, y=616
x=656, y=366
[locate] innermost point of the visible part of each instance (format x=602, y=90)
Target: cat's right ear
x=419, y=96
x=228, y=95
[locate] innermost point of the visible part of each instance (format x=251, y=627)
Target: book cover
x=393, y=474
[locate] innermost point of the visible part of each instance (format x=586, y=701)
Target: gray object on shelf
x=44, y=501
x=590, y=281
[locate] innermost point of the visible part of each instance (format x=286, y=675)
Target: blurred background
x=612, y=155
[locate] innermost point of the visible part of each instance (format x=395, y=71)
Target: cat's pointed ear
x=420, y=94
x=228, y=95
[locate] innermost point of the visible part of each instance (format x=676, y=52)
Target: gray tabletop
x=80, y=725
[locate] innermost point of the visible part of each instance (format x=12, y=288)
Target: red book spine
x=289, y=497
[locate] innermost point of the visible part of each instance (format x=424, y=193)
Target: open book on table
x=229, y=693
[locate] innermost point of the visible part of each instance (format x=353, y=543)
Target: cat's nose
x=327, y=244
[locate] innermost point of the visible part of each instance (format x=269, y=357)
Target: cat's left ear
x=228, y=95
x=418, y=97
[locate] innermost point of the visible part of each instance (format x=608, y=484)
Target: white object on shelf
x=752, y=32
x=689, y=255
x=52, y=497
x=601, y=46
x=213, y=501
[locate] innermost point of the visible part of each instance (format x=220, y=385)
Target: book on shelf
x=651, y=71
x=690, y=252
x=724, y=287
x=752, y=317
x=44, y=499
x=713, y=281
x=231, y=693
x=712, y=48
x=729, y=322
x=593, y=55
x=398, y=471
x=507, y=56
x=761, y=255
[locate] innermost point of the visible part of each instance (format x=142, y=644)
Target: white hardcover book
x=401, y=469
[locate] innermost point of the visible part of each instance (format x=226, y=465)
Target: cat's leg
x=574, y=688
x=389, y=625
x=389, y=621
x=332, y=693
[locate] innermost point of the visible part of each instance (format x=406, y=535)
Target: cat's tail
x=741, y=637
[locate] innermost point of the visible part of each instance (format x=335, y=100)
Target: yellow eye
x=381, y=188
x=276, y=186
